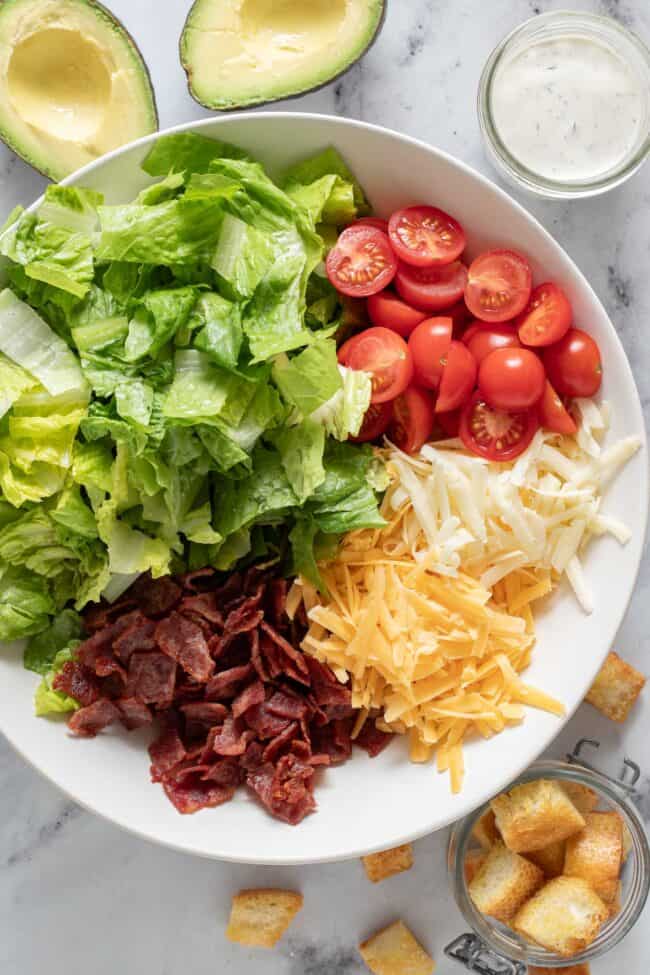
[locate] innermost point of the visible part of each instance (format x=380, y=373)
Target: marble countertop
x=79, y=895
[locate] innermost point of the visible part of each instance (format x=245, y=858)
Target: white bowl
x=366, y=804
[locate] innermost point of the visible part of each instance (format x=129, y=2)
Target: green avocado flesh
x=73, y=84
x=244, y=52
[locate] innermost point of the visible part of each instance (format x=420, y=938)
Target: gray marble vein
x=77, y=894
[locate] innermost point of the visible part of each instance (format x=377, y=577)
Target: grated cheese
x=462, y=513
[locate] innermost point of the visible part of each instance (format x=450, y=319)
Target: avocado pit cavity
x=59, y=83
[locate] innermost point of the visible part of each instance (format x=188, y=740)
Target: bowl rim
x=488, y=184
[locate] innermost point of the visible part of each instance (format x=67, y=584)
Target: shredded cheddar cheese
x=438, y=658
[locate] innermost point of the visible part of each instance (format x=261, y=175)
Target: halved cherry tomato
x=547, y=318
x=344, y=351
x=494, y=434
x=511, y=379
x=376, y=222
x=412, y=422
x=573, y=364
x=429, y=344
x=458, y=378
x=389, y=311
x=375, y=422
x=386, y=356
x=553, y=414
x=362, y=262
x=431, y=288
x=423, y=236
x=450, y=422
x=498, y=285
x=481, y=339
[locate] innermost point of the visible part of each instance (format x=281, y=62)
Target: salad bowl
x=365, y=805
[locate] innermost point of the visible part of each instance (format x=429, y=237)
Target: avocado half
x=73, y=84
x=238, y=53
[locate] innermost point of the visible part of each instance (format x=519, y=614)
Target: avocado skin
x=260, y=102
x=111, y=22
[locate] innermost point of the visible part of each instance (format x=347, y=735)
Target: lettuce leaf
x=42, y=649
x=311, y=378
x=187, y=152
x=49, y=701
x=342, y=414
x=25, y=603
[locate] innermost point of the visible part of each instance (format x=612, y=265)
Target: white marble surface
x=77, y=894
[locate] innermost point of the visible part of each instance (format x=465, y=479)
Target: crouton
x=550, y=858
x=474, y=860
x=535, y=814
x=571, y=970
x=379, y=866
x=627, y=842
x=616, y=903
x=565, y=916
x=485, y=830
x=596, y=853
x=616, y=688
x=503, y=883
x=583, y=798
x=259, y=918
x=394, y=951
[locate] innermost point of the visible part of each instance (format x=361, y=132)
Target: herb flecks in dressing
x=569, y=108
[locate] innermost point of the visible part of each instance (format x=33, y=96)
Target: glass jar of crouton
x=553, y=872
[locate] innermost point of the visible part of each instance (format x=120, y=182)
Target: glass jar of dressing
x=564, y=104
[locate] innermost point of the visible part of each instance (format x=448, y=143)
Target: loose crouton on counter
x=259, y=918
x=380, y=866
x=616, y=688
x=395, y=951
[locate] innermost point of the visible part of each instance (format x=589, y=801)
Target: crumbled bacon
x=218, y=663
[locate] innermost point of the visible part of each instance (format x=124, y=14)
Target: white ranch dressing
x=568, y=108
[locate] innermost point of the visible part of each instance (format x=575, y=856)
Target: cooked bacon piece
x=134, y=713
x=89, y=721
x=203, y=605
x=151, y=678
x=166, y=751
x=251, y=696
x=231, y=738
x=139, y=636
x=77, y=682
x=372, y=740
x=205, y=712
x=155, y=597
x=184, y=642
x=196, y=793
x=224, y=685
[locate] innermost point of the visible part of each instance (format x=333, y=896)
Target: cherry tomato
x=498, y=285
x=389, y=311
x=553, y=414
x=386, y=356
x=547, y=318
x=511, y=379
x=429, y=344
x=573, y=364
x=450, y=422
x=362, y=262
x=375, y=222
x=494, y=434
x=481, y=339
x=460, y=317
x=344, y=351
x=423, y=236
x=412, y=423
x=375, y=422
x=431, y=288
x=458, y=378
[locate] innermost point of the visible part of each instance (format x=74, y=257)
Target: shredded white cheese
x=487, y=520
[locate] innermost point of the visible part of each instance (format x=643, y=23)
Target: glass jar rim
x=513, y=947
x=499, y=152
